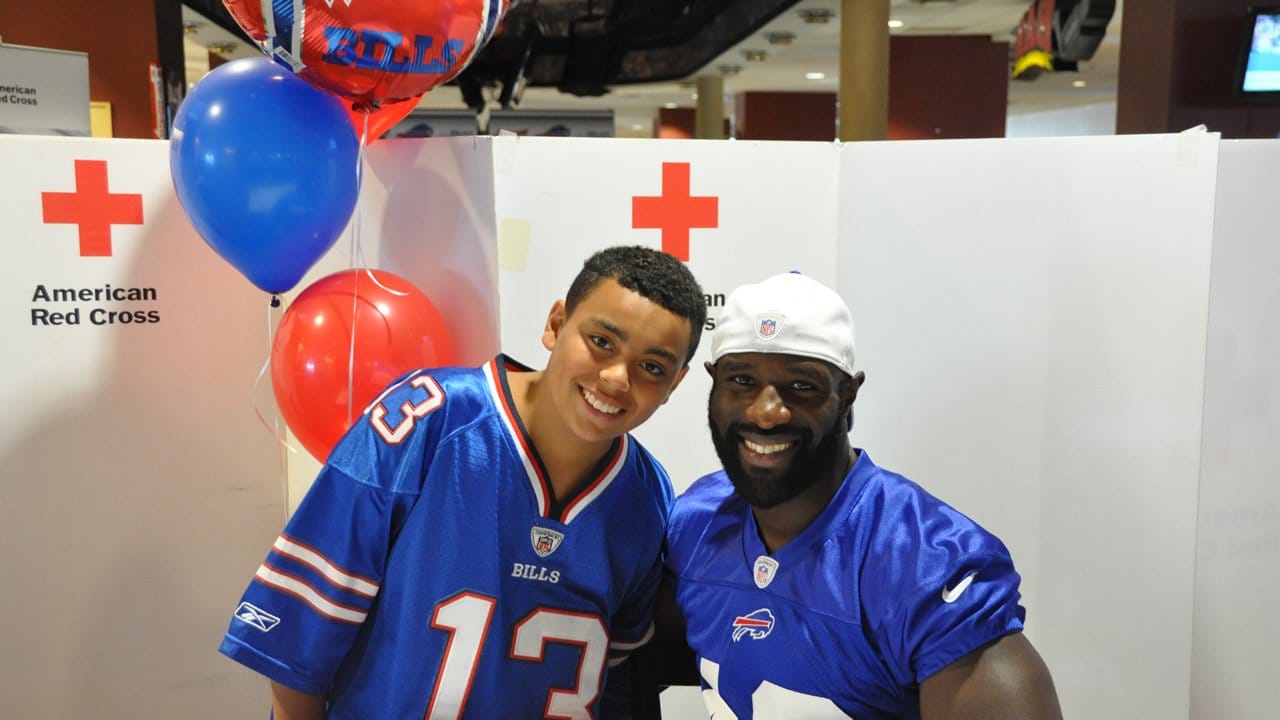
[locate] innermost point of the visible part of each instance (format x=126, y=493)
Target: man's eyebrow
x=803, y=367
x=622, y=335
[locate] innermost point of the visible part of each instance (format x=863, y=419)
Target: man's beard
x=767, y=489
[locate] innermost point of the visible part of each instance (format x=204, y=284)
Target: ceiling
x=813, y=48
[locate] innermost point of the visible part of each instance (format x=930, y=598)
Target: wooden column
x=864, y=70
x=710, y=117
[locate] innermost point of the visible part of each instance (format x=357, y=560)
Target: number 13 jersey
x=430, y=571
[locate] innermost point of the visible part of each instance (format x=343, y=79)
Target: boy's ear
x=555, y=322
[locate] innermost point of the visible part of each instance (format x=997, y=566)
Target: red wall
x=947, y=86
x=1178, y=63
x=677, y=123
x=954, y=86
x=786, y=116
x=120, y=38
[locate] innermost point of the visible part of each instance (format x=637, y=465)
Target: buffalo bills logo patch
x=756, y=624
x=545, y=541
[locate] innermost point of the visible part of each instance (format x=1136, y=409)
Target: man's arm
x=290, y=704
x=1006, y=679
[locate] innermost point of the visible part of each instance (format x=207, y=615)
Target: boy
x=485, y=542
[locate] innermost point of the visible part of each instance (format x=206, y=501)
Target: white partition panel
x=762, y=208
x=1032, y=319
x=138, y=490
x=1236, y=624
x=425, y=213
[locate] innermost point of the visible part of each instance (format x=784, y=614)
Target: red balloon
x=380, y=120
x=397, y=329
x=372, y=51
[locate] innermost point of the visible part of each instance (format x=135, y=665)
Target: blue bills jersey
x=888, y=586
x=431, y=571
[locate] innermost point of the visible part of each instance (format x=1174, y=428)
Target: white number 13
x=466, y=618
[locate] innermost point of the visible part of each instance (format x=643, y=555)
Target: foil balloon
x=321, y=386
x=377, y=121
x=371, y=51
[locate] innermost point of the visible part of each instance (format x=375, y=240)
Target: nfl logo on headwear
x=545, y=541
x=768, y=325
x=765, y=570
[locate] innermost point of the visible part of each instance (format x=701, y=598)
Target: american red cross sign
x=92, y=208
x=675, y=211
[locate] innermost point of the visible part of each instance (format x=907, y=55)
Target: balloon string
x=357, y=253
x=357, y=247
x=274, y=426
x=351, y=351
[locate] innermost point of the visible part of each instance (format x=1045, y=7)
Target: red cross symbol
x=92, y=208
x=675, y=211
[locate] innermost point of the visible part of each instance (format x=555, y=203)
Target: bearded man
x=813, y=583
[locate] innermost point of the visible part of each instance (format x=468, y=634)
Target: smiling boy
x=485, y=542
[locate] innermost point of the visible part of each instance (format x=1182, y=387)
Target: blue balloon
x=265, y=168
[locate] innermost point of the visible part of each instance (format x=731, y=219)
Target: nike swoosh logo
x=950, y=595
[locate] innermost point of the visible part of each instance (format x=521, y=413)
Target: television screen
x=1260, y=71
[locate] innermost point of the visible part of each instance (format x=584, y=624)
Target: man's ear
x=854, y=384
x=851, y=394
x=555, y=322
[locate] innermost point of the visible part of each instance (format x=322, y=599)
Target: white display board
x=43, y=92
x=139, y=488
x=426, y=213
x=751, y=208
x=1236, y=625
x=1031, y=317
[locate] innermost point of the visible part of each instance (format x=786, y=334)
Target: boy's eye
x=802, y=386
x=600, y=341
x=740, y=380
x=654, y=369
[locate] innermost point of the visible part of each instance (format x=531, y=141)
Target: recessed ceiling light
x=754, y=55
x=896, y=24
x=670, y=106
x=817, y=16
x=1079, y=83
x=780, y=38
x=815, y=76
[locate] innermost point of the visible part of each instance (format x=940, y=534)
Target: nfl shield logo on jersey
x=545, y=541
x=765, y=568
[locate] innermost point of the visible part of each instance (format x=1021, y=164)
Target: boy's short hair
x=656, y=275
